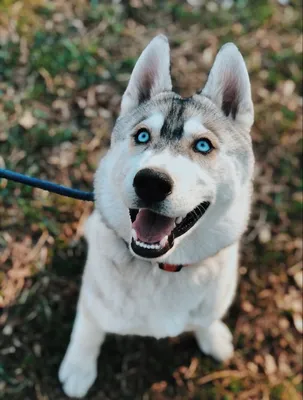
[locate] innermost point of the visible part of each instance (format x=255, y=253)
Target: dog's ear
x=150, y=76
x=228, y=86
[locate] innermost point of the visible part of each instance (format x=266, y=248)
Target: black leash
x=45, y=185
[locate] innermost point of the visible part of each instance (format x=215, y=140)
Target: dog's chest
x=144, y=300
x=130, y=296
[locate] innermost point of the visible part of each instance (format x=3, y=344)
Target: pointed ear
x=228, y=86
x=150, y=76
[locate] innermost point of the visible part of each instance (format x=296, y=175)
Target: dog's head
x=175, y=162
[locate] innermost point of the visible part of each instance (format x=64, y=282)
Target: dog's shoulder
x=95, y=227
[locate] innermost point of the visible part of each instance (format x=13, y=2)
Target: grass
x=63, y=69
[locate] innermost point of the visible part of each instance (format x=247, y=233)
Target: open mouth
x=153, y=234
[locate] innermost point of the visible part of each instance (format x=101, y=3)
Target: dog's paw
x=77, y=376
x=216, y=341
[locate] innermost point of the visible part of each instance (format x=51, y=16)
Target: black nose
x=152, y=185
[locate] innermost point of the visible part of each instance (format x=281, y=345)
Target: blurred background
x=63, y=68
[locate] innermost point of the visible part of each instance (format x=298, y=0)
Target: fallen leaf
x=159, y=386
x=298, y=322
x=270, y=365
x=27, y=121
x=298, y=277
x=265, y=234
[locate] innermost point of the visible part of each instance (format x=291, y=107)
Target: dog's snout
x=152, y=185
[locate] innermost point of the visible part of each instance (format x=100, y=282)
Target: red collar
x=171, y=267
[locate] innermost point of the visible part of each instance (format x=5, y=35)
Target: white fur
x=125, y=294
x=154, y=122
x=194, y=126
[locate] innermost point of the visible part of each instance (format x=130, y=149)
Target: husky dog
x=173, y=193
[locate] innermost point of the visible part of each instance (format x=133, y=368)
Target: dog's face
x=173, y=161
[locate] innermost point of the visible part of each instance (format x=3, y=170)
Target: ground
x=63, y=68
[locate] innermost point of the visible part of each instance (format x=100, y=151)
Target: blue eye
x=142, y=136
x=203, y=146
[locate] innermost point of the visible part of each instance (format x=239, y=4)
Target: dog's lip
x=191, y=219
x=180, y=229
x=152, y=253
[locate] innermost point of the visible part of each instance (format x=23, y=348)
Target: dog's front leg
x=216, y=341
x=78, y=369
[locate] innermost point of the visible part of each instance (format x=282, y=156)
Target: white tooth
x=163, y=241
x=134, y=234
x=179, y=220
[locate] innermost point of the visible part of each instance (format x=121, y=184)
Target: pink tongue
x=151, y=227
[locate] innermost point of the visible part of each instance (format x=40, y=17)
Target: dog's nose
x=152, y=185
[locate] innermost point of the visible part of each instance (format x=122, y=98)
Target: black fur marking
x=145, y=87
x=230, y=100
x=174, y=121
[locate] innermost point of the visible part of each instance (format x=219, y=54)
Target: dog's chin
x=153, y=234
